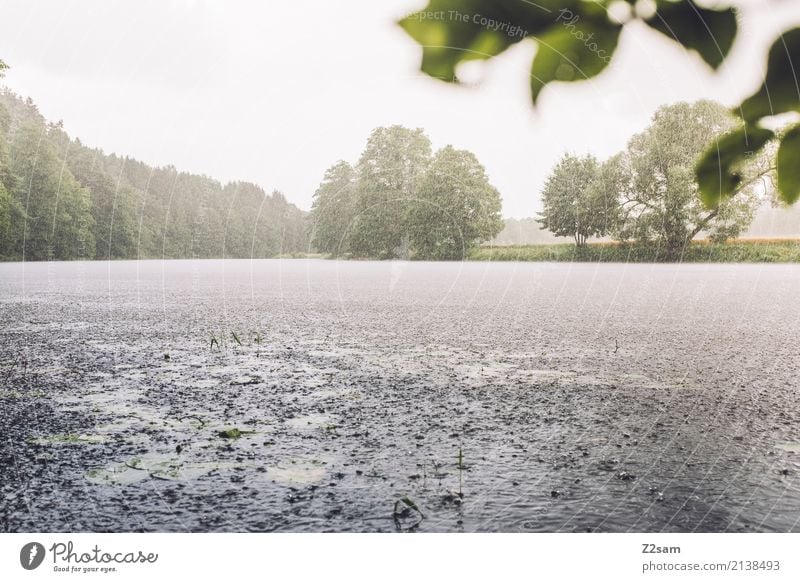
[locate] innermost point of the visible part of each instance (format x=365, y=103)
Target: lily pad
x=70, y=439
x=312, y=421
x=154, y=466
x=298, y=471
x=119, y=474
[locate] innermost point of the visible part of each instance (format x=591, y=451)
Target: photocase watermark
x=510, y=30
x=67, y=559
x=31, y=555
x=570, y=21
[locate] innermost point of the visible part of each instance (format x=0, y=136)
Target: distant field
x=738, y=251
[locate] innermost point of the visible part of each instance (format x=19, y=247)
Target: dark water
x=580, y=397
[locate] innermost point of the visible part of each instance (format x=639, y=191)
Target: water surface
x=581, y=397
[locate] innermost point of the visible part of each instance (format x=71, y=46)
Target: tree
x=334, y=210
x=6, y=218
x=456, y=207
x=389, y=172
x=578, y=201
x=113, y=207
x=400, y=201
x=135, y=210
x=577, y=39
x=9, y=210
x=659, y=198
x=57, y=221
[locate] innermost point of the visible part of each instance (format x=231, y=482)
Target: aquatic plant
x=460, y=466
x=404, y=508
x=234, y=433
x=230, y=433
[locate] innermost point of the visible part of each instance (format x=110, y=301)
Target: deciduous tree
x=455, y=208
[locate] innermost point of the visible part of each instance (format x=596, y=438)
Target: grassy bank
x=738, y=251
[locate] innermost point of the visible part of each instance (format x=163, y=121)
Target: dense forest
x=62, y=200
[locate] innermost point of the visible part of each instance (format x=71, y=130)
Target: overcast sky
x=276, y=92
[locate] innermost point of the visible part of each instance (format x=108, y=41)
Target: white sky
x=276, y=92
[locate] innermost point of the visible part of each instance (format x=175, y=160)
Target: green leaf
x=411, y=504
x=576, y=49
x=716, y=171
x=454, y=31
x=780, y=92
x=709, y=32
x=788, y=163
x=447, y=39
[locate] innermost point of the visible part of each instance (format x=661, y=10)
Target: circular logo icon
x=31, y=555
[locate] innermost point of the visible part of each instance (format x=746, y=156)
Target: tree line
x=648, y=193
x=61, y=200
x=401, y=200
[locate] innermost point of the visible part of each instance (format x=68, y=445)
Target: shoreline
x=744, y=251
x=780, y=251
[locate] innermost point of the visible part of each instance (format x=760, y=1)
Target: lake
x=312, y=395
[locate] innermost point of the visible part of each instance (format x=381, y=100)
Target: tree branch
x=703, y=223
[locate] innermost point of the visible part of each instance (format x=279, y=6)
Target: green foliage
x=389, y=172
x=400, y=201
x=717, y=170
x=576, y=39
x=739, y=251
x=648, y=193
x=659, y=200
x=710, y=32
x=64, y=200
x=456, y=207
x=788, y=165
x=447, y=38
x=3, y=68
x=56, y=221
x=5, y=217
x=113, y=207
x=579, y=200
x=333, y=211
x=574, y=49
x=779, y=92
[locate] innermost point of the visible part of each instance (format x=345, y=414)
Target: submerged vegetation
x=234, y=433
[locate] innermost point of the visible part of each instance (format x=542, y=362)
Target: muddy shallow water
x=315, y=395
